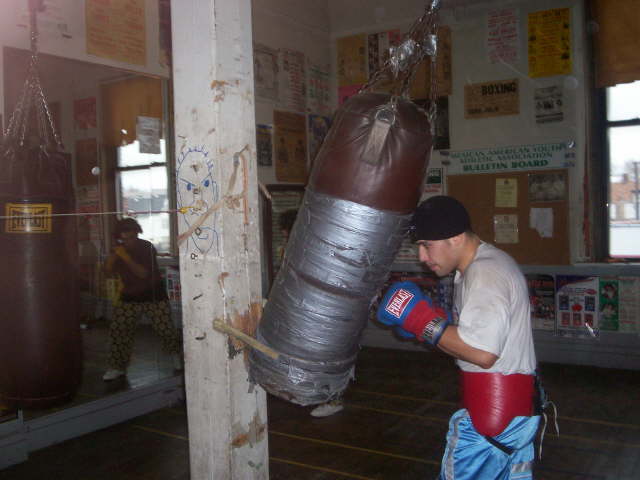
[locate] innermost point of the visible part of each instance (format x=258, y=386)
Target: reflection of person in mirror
x=135, y=261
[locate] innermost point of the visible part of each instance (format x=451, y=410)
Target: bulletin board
x=478, y=194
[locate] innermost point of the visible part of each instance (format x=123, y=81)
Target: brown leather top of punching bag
x=375, y=155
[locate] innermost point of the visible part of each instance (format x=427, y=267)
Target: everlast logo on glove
x=398, y=302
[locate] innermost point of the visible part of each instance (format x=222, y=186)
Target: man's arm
x=137, y=269
x=405, y=306
x=452, y=344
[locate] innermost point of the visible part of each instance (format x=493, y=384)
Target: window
x=141, y=182
x=623, y=139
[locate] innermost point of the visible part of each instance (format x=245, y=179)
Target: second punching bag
x=366, y=181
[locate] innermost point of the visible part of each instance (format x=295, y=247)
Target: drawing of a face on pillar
x=197, y=192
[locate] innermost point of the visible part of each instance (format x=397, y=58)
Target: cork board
x=478, y=194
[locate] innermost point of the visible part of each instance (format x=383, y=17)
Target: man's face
x=128, y=239
x=439, y=255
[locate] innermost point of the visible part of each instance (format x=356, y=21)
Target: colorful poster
x=407, y=253
x=117, y=30
x=506, y=192
x=548, y=104
x=293, y=95
x=421, y=86
x=318, y=128
x=505, y=228
x=378, y=45
x=264, y=145
x=174, y=288
x=434, y=184
x=84, y=113
x=265, y=72
x=344, y=93
x=549, y=42
x=542, y=296
x=441, y=140
x=352, y=60
x=318, y=90
x=577, y=306
x=491, y=99
x=503, y=35
x=629, y=304
x=86, y=159
x=282, y=201
x=609, y=304
x=509, y=159
x=88, y=201
x=290, y=137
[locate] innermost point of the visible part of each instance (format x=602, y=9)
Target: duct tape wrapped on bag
x=366, y=182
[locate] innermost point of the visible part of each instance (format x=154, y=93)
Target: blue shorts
x=469, y=455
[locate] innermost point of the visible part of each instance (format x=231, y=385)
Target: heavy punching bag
x=366, y=182
x=40, y=354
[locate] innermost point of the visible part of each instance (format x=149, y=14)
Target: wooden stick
x=243, y=337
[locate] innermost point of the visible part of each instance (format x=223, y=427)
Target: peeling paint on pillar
x=218, y=87
x=253, y=434
x=246, y=322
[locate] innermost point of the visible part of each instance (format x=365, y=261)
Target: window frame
x=168, y=164
x=602, y=173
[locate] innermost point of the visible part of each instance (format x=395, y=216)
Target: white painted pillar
x=219, y=235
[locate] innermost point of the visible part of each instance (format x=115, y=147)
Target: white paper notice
x=542, y=220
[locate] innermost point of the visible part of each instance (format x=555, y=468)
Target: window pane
x=145, y=190
x=130, y=156
x=624, y=225
x=623, y=101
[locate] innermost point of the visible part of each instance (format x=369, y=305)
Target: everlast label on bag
x=28, y=218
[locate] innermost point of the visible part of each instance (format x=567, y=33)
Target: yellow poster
x=290, y=146
x=491, y=99
x=421, y=85
x=352, y=60
x=28, y=217
x=116, y=30
x=550, y=42
x=506, y=192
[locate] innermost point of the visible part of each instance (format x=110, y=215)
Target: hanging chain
x=405, y=58
x=32, y=96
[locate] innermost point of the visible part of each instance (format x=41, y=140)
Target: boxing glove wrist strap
x=434, y=329
x=426, y=322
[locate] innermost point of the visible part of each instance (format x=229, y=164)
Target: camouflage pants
x=123, y=328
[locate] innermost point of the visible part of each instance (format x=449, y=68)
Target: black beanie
x=438, y=218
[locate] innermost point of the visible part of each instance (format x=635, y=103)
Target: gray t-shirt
x=492, y=311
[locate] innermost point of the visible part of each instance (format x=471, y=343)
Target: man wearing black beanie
x=489, y=334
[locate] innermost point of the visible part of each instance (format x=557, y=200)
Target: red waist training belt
x=493, y=399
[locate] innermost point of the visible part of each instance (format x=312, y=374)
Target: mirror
x=114, y=126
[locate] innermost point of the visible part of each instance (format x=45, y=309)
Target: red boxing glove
x=427, y=322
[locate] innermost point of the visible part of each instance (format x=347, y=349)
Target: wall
x=62, y=33
x=468, y=23
x=290, y=24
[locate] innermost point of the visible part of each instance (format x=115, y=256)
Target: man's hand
x=405, y=305
x=121, y=252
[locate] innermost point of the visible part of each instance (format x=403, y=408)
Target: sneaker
x=327, y=409
x=177, y=361
x=112, y=374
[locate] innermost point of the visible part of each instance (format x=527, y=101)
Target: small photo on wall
x=548, y=187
